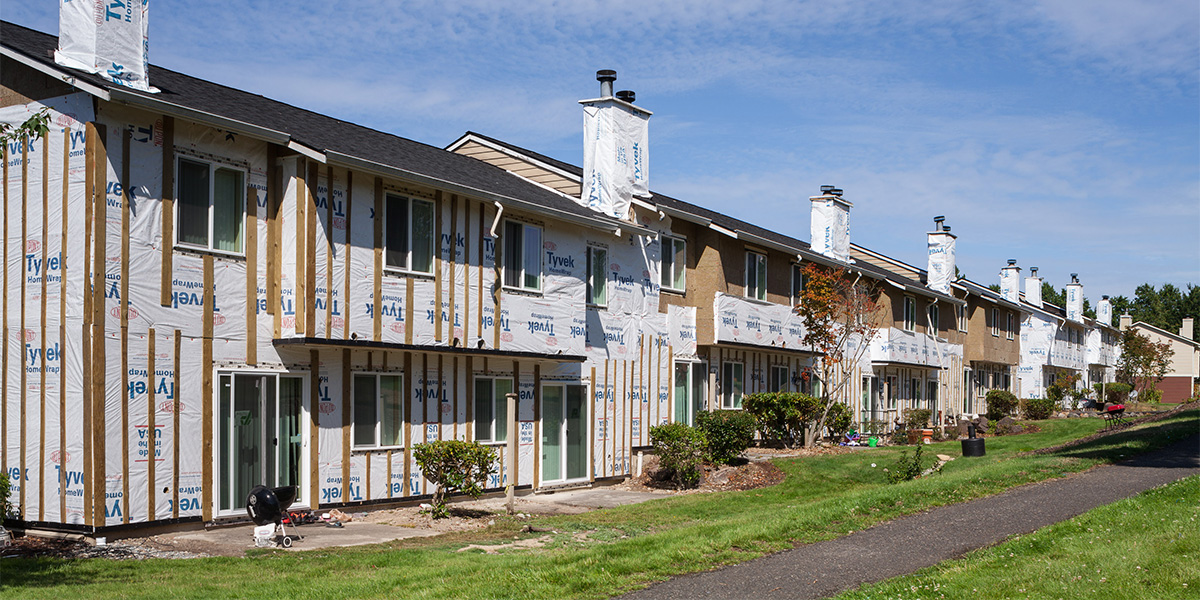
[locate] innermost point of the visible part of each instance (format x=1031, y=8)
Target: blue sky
x=1063, y=134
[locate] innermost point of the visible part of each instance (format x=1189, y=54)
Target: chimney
x=1033, y=288
x=616, y=158
x=1104, y=311
x=1126, y=322
x=1075, y=299
x=941, y=256
x=109, y=39
x=1185, y=330
x=830, y=228
x=1010, y=282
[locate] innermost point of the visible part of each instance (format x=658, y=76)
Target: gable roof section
x=1165, y=333
x=313, y=134
x=736, y=227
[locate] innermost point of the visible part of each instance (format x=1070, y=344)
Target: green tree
x=1143, y=362
x=454, y=466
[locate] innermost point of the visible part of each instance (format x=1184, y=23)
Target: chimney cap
x=825, y=189
x=946, y=228
x=1074, y=277
x=1104, y=297
x=939, y=219
x=604, y=75
x=627, y=96
x=836, y=192
x=1012, y=262
x=1033, y=271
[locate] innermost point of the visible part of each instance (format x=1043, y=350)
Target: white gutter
x=58, y=74
x=496, y=221
x=685, y=216
x=306, y=151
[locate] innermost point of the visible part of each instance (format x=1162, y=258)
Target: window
x=780, y=378
x=491, y=408
x=1007, y=382
x=674, y=264
x=1008, y=331
x=408, y=234
x=933, y=317
x=914, y=391
x=522, y=256
x=967, y=395
x=378, y=411
x=756, y=276
x=910, y=314
x=961, y=313
x=597, y=276
x=211, y=206
x=799, y=281
x=893, y=391
x=931, y=394
x=995, y=322
x=733, y=384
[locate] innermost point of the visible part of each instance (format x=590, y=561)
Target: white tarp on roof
x=941, y=261
x=109, y=38
x=830, y=227
x=616, y=164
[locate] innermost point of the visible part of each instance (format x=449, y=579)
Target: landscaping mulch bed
x=748, y=475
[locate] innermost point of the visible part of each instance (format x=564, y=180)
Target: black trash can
x=973, y=447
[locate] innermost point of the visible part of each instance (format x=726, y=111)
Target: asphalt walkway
x=910, y=543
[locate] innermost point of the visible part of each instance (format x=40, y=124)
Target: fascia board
x=199, y=116
x=56, y=73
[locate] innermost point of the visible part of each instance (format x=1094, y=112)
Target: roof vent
x=1033, y=271
x=606, y=77
x=1074, y=277
x=938, y=222
x=627, y=96
x=1012, y=261
x=836, y=192
x=825, y=189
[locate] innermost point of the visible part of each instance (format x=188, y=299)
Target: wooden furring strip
x=328, y=252
x=62, y=329
x=168, y=209
x=175, y=405
x=206, y=391
x=346, y=255
x=300, y=279
x=310, y=256
x=347, y=407
x=251, y=275
x=377, y=327
x=151, y=430
x=24, y=399
x=98, y=366
x=126, y=139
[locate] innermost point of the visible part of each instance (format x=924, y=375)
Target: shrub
x=680, y=450
x=1000, y=403
x=1113, y=393
x=1151, y=396
x=839, y=419
x=5, y=487
x=782, y=415
x=727, y=433
x=907, y=469
x=916, y=418
x=454, y=466
x=1038, y=409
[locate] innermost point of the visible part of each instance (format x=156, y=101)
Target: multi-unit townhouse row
x=207, y=290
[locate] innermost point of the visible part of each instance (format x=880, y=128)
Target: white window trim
x=404, y=434
x=787, y=376
x=491, y=439
x=212, y=169
x=588, y=283
x=541, y=266
x=746, y=276
x=961, y=313
x=671, y=239
x=408, y=252
x=995, y=322
x=933, y=316
x=797, y=271
x=1008, y=329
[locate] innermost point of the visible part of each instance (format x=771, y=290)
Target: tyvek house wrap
x=34, y=258
x=941, y=247
x=108, y=38
x=615, y=156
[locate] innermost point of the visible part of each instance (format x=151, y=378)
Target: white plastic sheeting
x=741, y=320
x=1010, y=283
x=941, y=261
x=830, y=227
x=1075, y=302
x=616, y=162
x=900, y=346
x=1033, y=290
x=106, y=37
x=1104, y=311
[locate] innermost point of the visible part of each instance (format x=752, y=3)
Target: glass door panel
x=552, y=426
x=576, y=410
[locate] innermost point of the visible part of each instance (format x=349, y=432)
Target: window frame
x=785, y=382
x=731, y=399
x=495, y=404
x=995, y=325
x=961, y=314
x=590, y=276
x=407, y=224
x=665, y=281
x=797, y=292
x=933, y=313
x=910, y=313
x=379, y=410
x=213, y=167
x=1008, y=329
x=760, y=272
x=522, y=261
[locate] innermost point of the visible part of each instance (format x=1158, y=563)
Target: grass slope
x=1146, y=546
x=628, y=547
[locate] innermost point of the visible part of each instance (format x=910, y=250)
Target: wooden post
x=511, y=469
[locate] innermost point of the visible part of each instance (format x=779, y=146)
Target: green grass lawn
x=624, y=548
x=1147, y=546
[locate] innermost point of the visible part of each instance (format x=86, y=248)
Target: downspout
x=496, y=221
x=937, y=346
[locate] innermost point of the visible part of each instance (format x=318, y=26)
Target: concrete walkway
x=887, y=550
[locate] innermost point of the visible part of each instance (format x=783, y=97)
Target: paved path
x=910, y=543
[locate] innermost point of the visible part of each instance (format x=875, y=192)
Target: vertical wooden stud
x=168, y=209
x=206, y=405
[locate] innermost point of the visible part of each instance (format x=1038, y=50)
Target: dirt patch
x=1138, y=421
x=460, y=519
x=126, y=549
x=749, y=475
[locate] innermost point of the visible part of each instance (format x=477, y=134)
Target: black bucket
x=973, y=447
